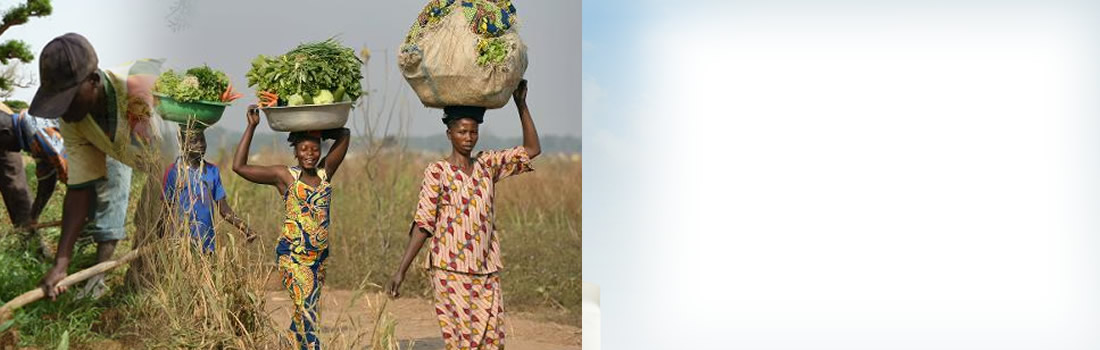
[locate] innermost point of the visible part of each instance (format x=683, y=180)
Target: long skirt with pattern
x=470, y=310
x=303, y=275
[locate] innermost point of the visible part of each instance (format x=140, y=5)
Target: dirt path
x=342, y=321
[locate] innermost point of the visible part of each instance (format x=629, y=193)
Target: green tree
x=17, y=49
x=16, y=105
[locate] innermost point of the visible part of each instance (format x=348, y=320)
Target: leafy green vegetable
x=212, y=83
x=188, y=90
x=167, y=82
x=197, y=84
x=323, y=97
x=295, y=100
x=339, y=94
x=491, y=51
x=307, y=70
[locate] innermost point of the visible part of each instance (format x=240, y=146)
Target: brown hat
x=64, y=63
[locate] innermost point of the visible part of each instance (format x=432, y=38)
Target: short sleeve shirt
x=193, y=191
x=138, y=140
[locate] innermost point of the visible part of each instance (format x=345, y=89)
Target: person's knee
x=105, y=250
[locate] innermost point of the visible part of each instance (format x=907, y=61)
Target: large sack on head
x=464, y=53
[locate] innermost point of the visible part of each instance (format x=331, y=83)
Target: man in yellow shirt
x=41, y=139
x=104, y=112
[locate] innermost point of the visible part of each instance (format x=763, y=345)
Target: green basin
x=202, y=112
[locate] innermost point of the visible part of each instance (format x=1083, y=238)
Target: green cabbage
x=323, y=98
x=295, y=100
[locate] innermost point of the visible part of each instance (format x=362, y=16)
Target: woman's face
x=463, y=135
x=307, y=152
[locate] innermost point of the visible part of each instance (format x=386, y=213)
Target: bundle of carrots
x=268, y=99
x=229, y=95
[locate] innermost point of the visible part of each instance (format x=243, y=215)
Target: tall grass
x=201, y=301
x=539, y=220
x=44, y=323
x=183, y=297
x=217, y=301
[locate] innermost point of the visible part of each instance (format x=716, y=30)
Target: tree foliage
x=18, y=50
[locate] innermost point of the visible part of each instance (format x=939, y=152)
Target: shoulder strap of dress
x=322, y=174
x=294, y=172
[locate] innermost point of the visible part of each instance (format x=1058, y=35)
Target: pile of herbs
x=313, y=73
x=196, y=84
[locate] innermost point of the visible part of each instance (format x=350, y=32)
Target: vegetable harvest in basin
x=200, y=95
x=314, y=73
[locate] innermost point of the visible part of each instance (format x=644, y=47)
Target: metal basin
x=308, y=117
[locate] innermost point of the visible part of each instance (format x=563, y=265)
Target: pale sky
x=115, y=43
x=848, y=174
x=228, y=34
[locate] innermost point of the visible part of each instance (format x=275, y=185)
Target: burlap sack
x=442, y=67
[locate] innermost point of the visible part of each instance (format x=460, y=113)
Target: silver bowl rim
x=307, y=106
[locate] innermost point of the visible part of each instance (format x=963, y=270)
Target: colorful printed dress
x=302, y=251
x=464, y=250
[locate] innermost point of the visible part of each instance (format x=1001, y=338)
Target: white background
x=797, y=176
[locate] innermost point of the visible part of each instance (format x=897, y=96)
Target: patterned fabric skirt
x=470, y=309
x=303, y=275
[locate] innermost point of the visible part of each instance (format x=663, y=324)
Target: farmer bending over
x=103, y=113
